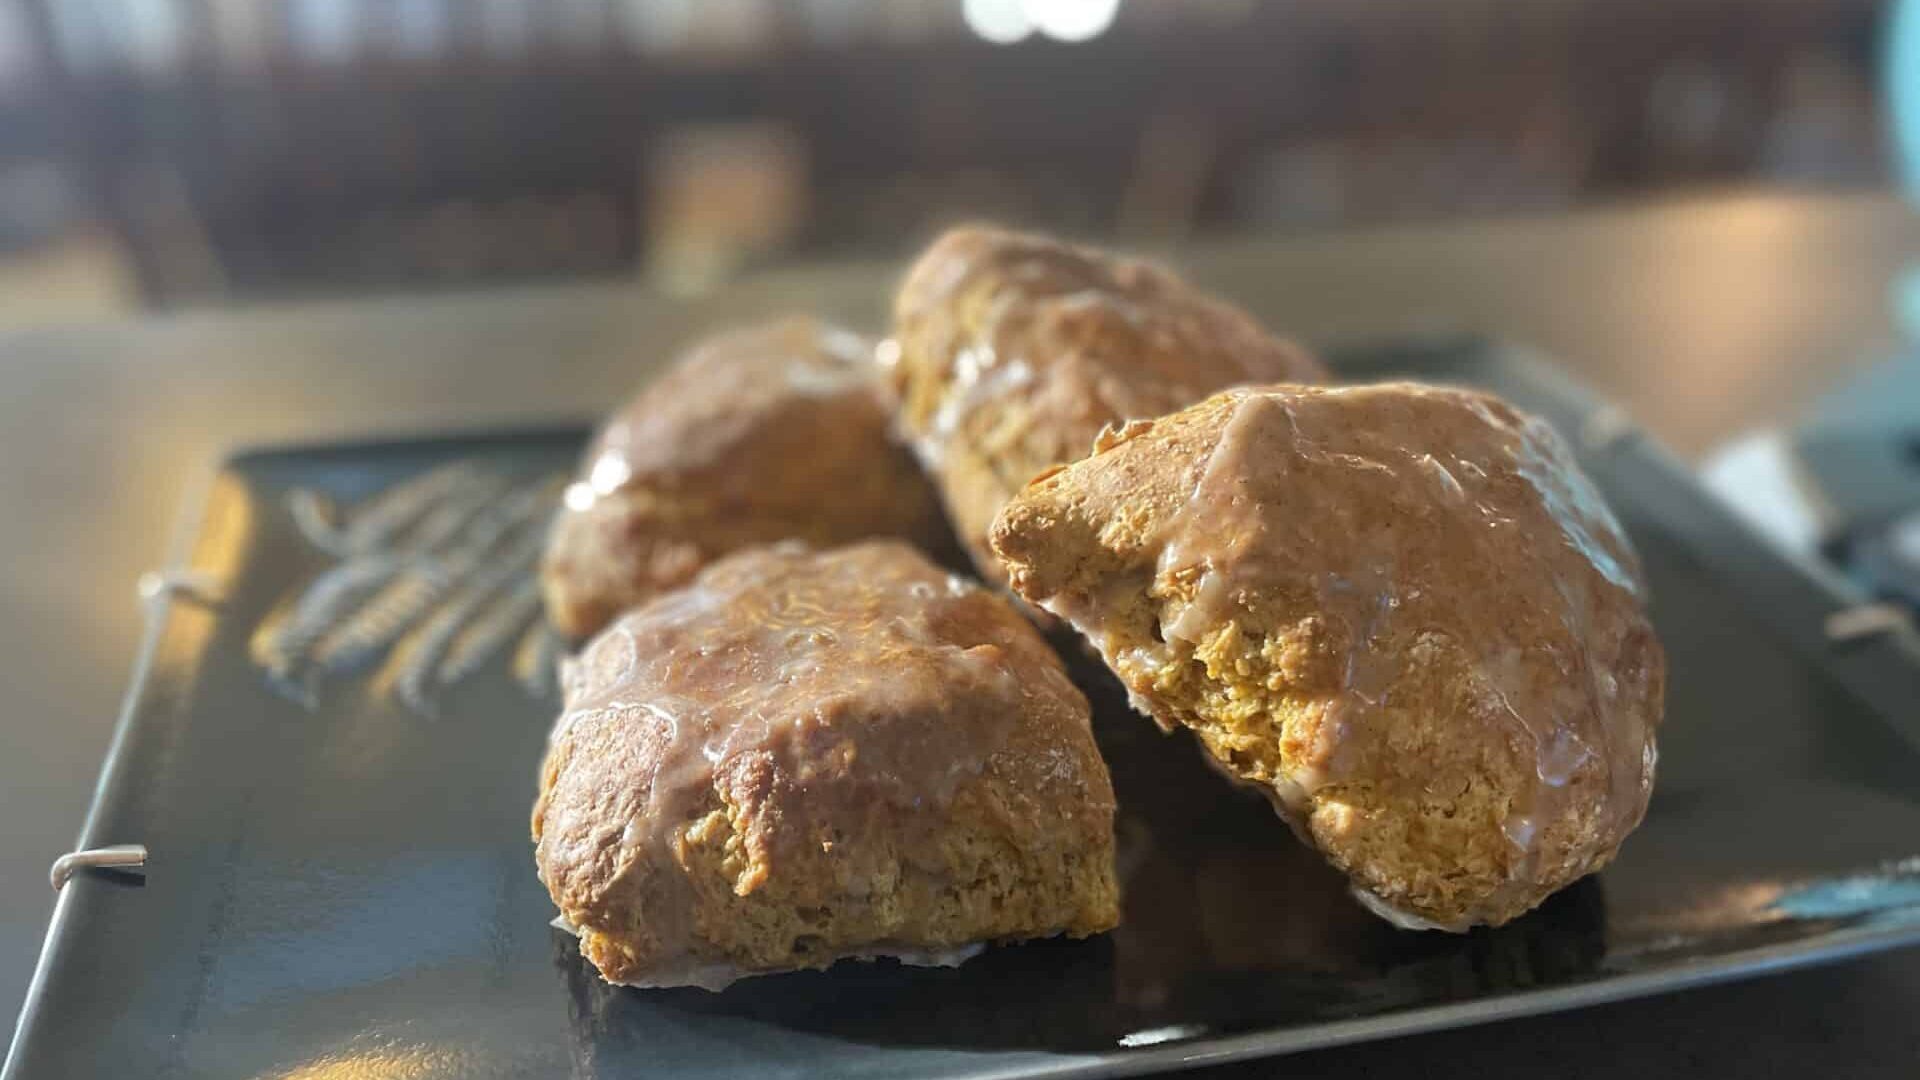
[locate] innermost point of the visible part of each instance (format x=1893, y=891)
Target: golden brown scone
x=758, y=435
x=1011, y=352
x=806, y=755
x=1400, y=610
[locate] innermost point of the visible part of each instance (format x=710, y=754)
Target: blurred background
x=168, y=153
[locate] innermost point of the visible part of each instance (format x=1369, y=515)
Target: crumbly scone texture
x=762, y=434
x=804, y=755
x=1400, y=610
x=1012, y=351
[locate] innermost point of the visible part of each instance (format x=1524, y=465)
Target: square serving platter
x=341, y=883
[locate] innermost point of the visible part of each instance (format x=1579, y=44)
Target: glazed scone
x=1010, y=352
x=803, y=756
x=758, y=435
x=1402, y=611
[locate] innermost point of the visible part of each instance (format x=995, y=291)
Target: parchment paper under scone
x=1402, y=611
x=803, y=756
x=758, y=435
x=1012, y=351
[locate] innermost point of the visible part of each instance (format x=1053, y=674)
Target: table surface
x=1704, y=318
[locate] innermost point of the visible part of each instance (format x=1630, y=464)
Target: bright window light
x=1001, y=22
x=1071, y=20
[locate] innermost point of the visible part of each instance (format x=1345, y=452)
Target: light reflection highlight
x=1006, y=22
x=408, y=1063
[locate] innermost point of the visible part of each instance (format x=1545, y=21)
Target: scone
x=1010, y=352
x=803, y=756
x=1402, y=611
x=758, y=435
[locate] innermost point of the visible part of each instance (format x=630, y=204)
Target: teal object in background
x=1903, y=110
x=1903, y=92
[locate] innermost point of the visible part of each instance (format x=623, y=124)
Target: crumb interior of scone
x=1232, y=690
x=1426, y=847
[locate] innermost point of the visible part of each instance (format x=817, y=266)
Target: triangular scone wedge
x=1400, y=610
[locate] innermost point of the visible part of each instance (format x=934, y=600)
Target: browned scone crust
x=763, y=434
x=806, y=755
x=1014, y=351
x=1400, y=610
